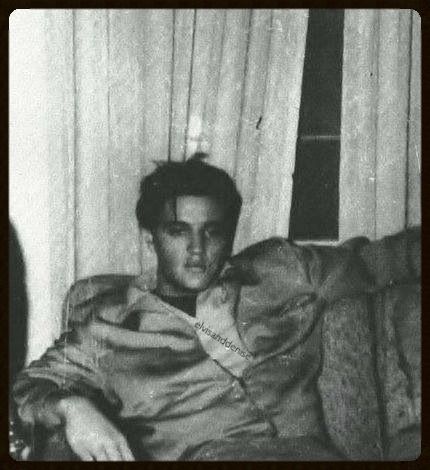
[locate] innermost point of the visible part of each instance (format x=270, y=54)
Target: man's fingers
x=126, y=453
x=112, y=452
x=101, y=454
x=82, y=451
x=84, y=455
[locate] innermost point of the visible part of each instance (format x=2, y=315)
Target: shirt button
x=284, y=359
x=237, y=390
x=255, y=412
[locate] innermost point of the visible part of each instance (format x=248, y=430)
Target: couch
x=370, y=377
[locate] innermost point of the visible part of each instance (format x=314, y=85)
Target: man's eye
x=176, y=231
x=214, y=232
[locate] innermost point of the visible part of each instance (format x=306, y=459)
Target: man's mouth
x=195, y=267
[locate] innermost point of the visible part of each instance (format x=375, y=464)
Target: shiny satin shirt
x=173, y=384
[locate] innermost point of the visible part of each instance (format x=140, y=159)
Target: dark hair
x=192, y=177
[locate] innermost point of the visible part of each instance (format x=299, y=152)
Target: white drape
x=97, y=95
x=265, y=171
x=381, y=123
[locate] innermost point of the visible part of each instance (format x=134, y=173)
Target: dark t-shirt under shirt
x=186, y=303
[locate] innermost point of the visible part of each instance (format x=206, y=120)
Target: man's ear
x=149, y=260
x=148, y=239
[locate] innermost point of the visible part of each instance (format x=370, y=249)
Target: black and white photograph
x=214, y=235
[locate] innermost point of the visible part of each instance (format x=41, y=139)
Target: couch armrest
x=398, y=329
x=406, y=445
x=393, y=259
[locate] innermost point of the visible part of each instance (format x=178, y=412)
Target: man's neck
x=167, y=291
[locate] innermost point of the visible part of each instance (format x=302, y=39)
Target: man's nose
x=196, y=245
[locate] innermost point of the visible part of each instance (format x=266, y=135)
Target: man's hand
x=90, y=435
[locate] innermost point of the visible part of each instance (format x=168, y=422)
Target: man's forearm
x=68, y=369
x=43, y=403
x=64, y=407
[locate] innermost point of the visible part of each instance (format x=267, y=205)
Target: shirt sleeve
x=69, y=368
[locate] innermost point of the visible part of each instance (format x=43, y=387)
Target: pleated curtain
x=380, y=168
x=98, y=95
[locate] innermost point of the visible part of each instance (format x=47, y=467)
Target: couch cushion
x=347, y=383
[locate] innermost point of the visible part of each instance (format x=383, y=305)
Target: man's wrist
x=64, y=406
x=48, y=411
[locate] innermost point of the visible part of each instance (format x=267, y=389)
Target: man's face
x=191, y=242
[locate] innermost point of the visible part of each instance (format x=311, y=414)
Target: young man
x=190, y=211
x=191, y=366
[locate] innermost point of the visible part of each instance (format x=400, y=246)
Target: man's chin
x=197, y=284
x=196, y=287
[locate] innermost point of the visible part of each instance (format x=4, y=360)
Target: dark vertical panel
x=181, y=80
x=322, y=75
x=315, y=199
x=314, y=209
x=18, y=307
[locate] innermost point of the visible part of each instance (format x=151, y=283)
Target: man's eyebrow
x=215, y=222
x=175, y=222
